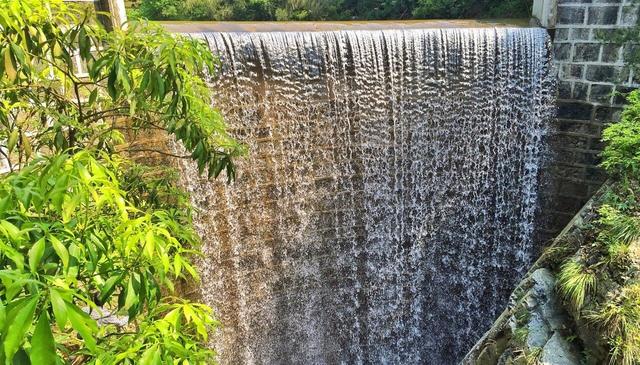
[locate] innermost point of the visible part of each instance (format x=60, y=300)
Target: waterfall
x=388, y=204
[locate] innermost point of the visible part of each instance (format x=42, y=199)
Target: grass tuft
x=575, y=282
x=619, y=321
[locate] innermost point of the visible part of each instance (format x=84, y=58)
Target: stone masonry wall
x=591, y=73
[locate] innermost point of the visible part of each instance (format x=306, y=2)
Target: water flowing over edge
x=388, y=204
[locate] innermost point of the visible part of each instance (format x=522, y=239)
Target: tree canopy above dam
x=284, y=10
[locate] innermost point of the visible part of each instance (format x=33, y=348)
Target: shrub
x=621, y=156
x=619, y=319
x=332, y=9
x=91, y=243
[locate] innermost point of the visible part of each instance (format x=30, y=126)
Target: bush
x=612, y=254
x=91, y=243
x=621, y=157
x=332, y=9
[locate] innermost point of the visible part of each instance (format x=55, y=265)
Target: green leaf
x=18, y=326
x=111, y=81
x=21, y=358
x=109, y=287
x=60, y=250
x=131, y=298
x=9, y=68
x=13, y=255
x=93, y=96
x=85, y=44
x=12, y=232
x=43, y=347
x=85, y=325
x=35, y=254
x=59, y=307
x=151, y=356
x=5, y=203
x=13, y=139
x=19, y=54
x=3, y=315
x=26, y=145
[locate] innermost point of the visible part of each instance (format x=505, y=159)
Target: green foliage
x=87, y=237
x=613, y=249
x=71, y=240
x=520, y=336
x=143, y=74
x=621, y=157
x=442, y=8
x=617, y=231
x=575, y=282
x=619, y=319
x=331, y=9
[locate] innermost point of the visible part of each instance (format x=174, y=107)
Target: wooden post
x=117, y=13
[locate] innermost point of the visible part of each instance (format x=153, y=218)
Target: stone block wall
x=592, y=76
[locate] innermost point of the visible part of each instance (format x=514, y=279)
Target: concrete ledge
x=244, y=27
x=546, y=12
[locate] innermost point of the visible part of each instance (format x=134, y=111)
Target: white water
x=387, y=207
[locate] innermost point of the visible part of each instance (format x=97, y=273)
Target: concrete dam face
x=388, y=205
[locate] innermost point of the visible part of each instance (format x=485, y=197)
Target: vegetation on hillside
x=601, y=282
x=330, y=9
x=92, y=243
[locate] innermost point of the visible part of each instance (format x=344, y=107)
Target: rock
x=543, y=280
x=539, y=332
x=544, y=291
x=558, y=351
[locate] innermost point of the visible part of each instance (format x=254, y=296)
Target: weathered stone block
x=572, y=71
x=578, y=126
x=575, y=189
x=606, y=114
x=564, y=90
x=596, y=174
x=598, y=73
x=562, y=35
x=601, y=34
x=611, y=53
x=574, y=1
x=558, y=351
x=581, y=91
x=586, y=52
x=630, y=50
x=571, y=15
x=562, y=51
x=574, y=110
x=601, y=93
x=603, y=15
x=582, y=34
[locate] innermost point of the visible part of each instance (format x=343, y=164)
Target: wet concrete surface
x=243, y=27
